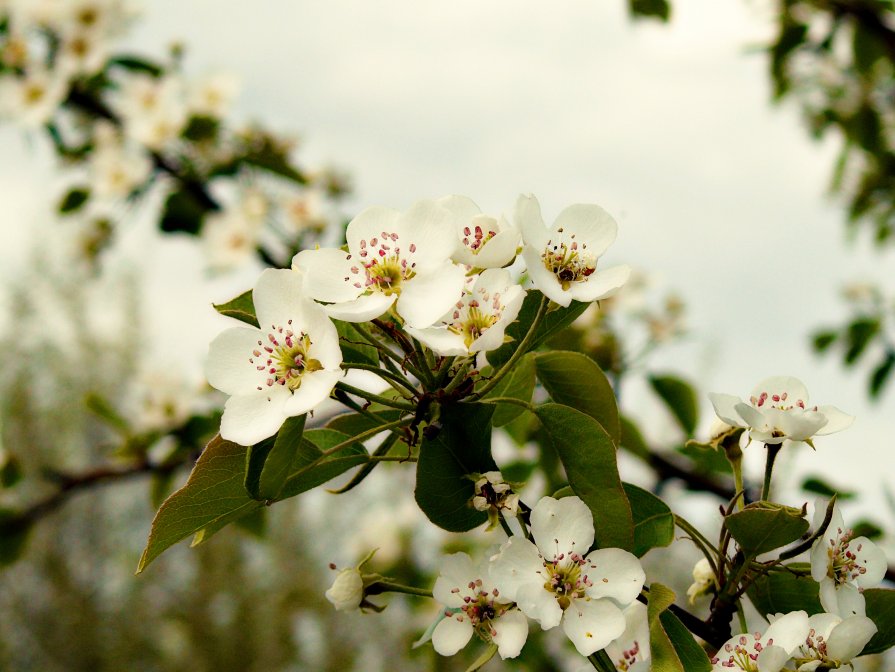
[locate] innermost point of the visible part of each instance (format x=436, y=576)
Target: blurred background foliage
x=93, y=438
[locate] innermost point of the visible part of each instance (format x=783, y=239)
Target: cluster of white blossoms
x=778, y=411
x=551, y=579
x=413, y=266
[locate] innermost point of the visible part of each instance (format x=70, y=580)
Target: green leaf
x=867, y=528
x=354, y=349
x=241, y=308
x=73, y=200
x=680, y=399
x=462, y=447
x=182, y=212
x=201, y=128
x=691, y=654
x=819, y=486
x=352, y=424
x=554, y=321
x=137, y=64
x=782, y=592
x=308, y=472
x=588, y=455
x=881, y=374
x=707, y=459
x=632, y=440
x=663, y=655
x=214, y=491
x=280, y=458
x=653, y=9
x=519, y=383
x=14, y=532
x=10, y=469
x=881, y=610
x=763, y=526
x=653, y=520
x=822, y=340
x=267, y=154
x=575, y=380
x=858, y=337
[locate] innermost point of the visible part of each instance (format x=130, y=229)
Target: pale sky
x=668, y=127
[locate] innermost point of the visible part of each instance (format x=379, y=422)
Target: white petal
x=725, y=408
x=275, y=295
x=528, y=218
x=440, y=340
x=618, y=575
x=324, y=273
x=362, y=309
x=542, y=278
x=315, y=387
x=228, y=367
x=510, y=633
x=871, y=558
x=493, y=337
x=751, y=416
x=427, y=297
x=844, y=600
x=592, y=225
x=370, y=223
x=772, y=659
x=428, y=226
x=562, y=526
x=462, y=209
x=451, y=635
x=793, y=388
x=795, y=425
x=636, y=634
x=518, y=564
x=850, y=637
x=250, y=418
x=539, y=604
x=323, y=334
x=497, y=252
x=451, y=585
x=836, y=420
x=592, y=624
x=788, y=631
x=600, y=285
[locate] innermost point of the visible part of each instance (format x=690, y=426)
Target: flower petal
x=725, y=408
x=869, y=556
x=451, y=634
x=362, y=309
x=428, y=296
x=788, y=631
x=527, y=217
x=440, y=340
x=429, y=227
x=518, y=564
x=275, y=295
x=562, y=526
x=497, y=252
x=601, y=285
x=250, y=418
x=510, y=633
x=795, y=425
x=849, y=638
x=772, y=659
x=844, y=600
x=539, y=604
x=370, y=223
x=456, y=572
x=315, y=387
x=836, y=420
x=635, y=636
x=614, y=573
x=228, y=368
x=592, y=624
x=542, y=278
x=592, y=225
x=325, y=272
x=793, y=389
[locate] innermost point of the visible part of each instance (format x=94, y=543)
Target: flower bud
x=347, y=590
x=703, y=580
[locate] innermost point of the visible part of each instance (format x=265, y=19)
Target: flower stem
x=510, y=400
x=520, y=351
x=363, y=436
x=773, y=449
x=737, y=465
x=389, y=376
x=379, y=399
x=390, y=587
x=601, y=661
x=708, y=550
x=459, y=377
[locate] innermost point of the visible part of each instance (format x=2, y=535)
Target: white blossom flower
x=393, y=257
x=844, y=565
x=491, y=491
x=778, y=410
x=347, y=591
x=554, y=583
x=562, y=260
x=116, y=167
x=284, y=369
x=33, y=98
x=768, y=652
x=703, y=580
x=474, y=605
x=484, y=241
x=833, y=641
x=153, y=108
x=213, y=95
x=631, y=652
x=477, y=321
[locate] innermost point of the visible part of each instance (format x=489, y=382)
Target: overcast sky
x=668, y=127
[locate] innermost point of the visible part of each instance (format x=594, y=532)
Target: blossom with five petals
x=562, y=260
x=475, y=606
x=833, y=641
x=284, y=369
x=844, y=565
x=778, y=411
x=393, y=258
x=554, y=583
x=483, y=241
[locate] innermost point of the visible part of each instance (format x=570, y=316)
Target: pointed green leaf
x=519, y=383
x=462, y=447
x=73, y=200
x=680, y=399
x=354, y=349
x=574, y=379
x=782, y=592
x=653, y=520
x=692, y=656
x=663, y=657
x=881, y=610
x=763, y=526
x=588, y=455
x=241, y=308
x=280, y=458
